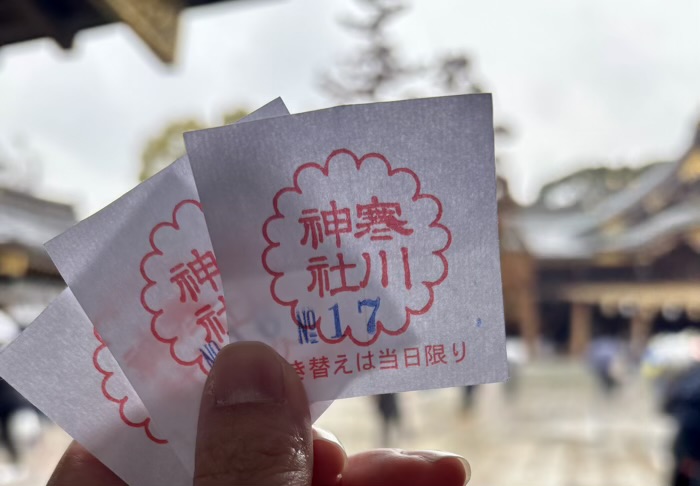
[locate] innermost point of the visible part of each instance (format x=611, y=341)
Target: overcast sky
x=578, y=81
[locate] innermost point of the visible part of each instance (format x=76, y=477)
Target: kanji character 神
x=336, y=222
x=380, y=219
x=204, y=268
x=312, y=227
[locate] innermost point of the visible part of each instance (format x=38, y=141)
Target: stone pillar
x=580, y=335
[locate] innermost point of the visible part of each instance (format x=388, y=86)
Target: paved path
x=556, y=431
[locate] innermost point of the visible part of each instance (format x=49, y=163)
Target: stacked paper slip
x=361, y=242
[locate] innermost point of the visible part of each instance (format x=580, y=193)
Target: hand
x=254, y=429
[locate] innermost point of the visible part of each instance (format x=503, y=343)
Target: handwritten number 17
x=371, y=322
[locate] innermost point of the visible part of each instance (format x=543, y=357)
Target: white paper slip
x=144, y=271
x=364, y=238
x=61, y=366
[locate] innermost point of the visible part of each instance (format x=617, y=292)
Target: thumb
x=254, y=425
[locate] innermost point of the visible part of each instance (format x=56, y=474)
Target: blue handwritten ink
x=372, y=322
x=209, y=351
x=306, y=325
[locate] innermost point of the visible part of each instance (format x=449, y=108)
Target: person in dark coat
x=388, y=407
x=683, y=404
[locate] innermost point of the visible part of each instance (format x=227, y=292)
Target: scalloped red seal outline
x=171, y=341
x=144, y=424
x=416, y=196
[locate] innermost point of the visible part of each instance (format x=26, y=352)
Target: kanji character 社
x=342, y=269
x=380, y=219
x=318, y=267
x=208, y=318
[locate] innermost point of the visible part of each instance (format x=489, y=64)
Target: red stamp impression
x=130, y=408
x=355, y=248
x=183, y=291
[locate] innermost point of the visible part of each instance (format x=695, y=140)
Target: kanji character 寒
x=380, y=219
x=435, y=354
x=319, y=367
x=312, y=227
x=336, y=222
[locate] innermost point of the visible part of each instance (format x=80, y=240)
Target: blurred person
x=254, y=429
x=20, y=424
x=605, y=360
x=388, y=408
x=683, y=404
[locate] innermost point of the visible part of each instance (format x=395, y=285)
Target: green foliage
x=168, y=145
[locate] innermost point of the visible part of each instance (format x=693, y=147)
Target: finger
x=390, y=467
x=254, y=425
x=330, y=458
x=78, y=467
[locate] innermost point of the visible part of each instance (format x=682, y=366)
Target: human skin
x=254, y=429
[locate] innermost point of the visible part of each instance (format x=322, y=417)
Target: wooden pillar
x=640, y=329
x=580, y=335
